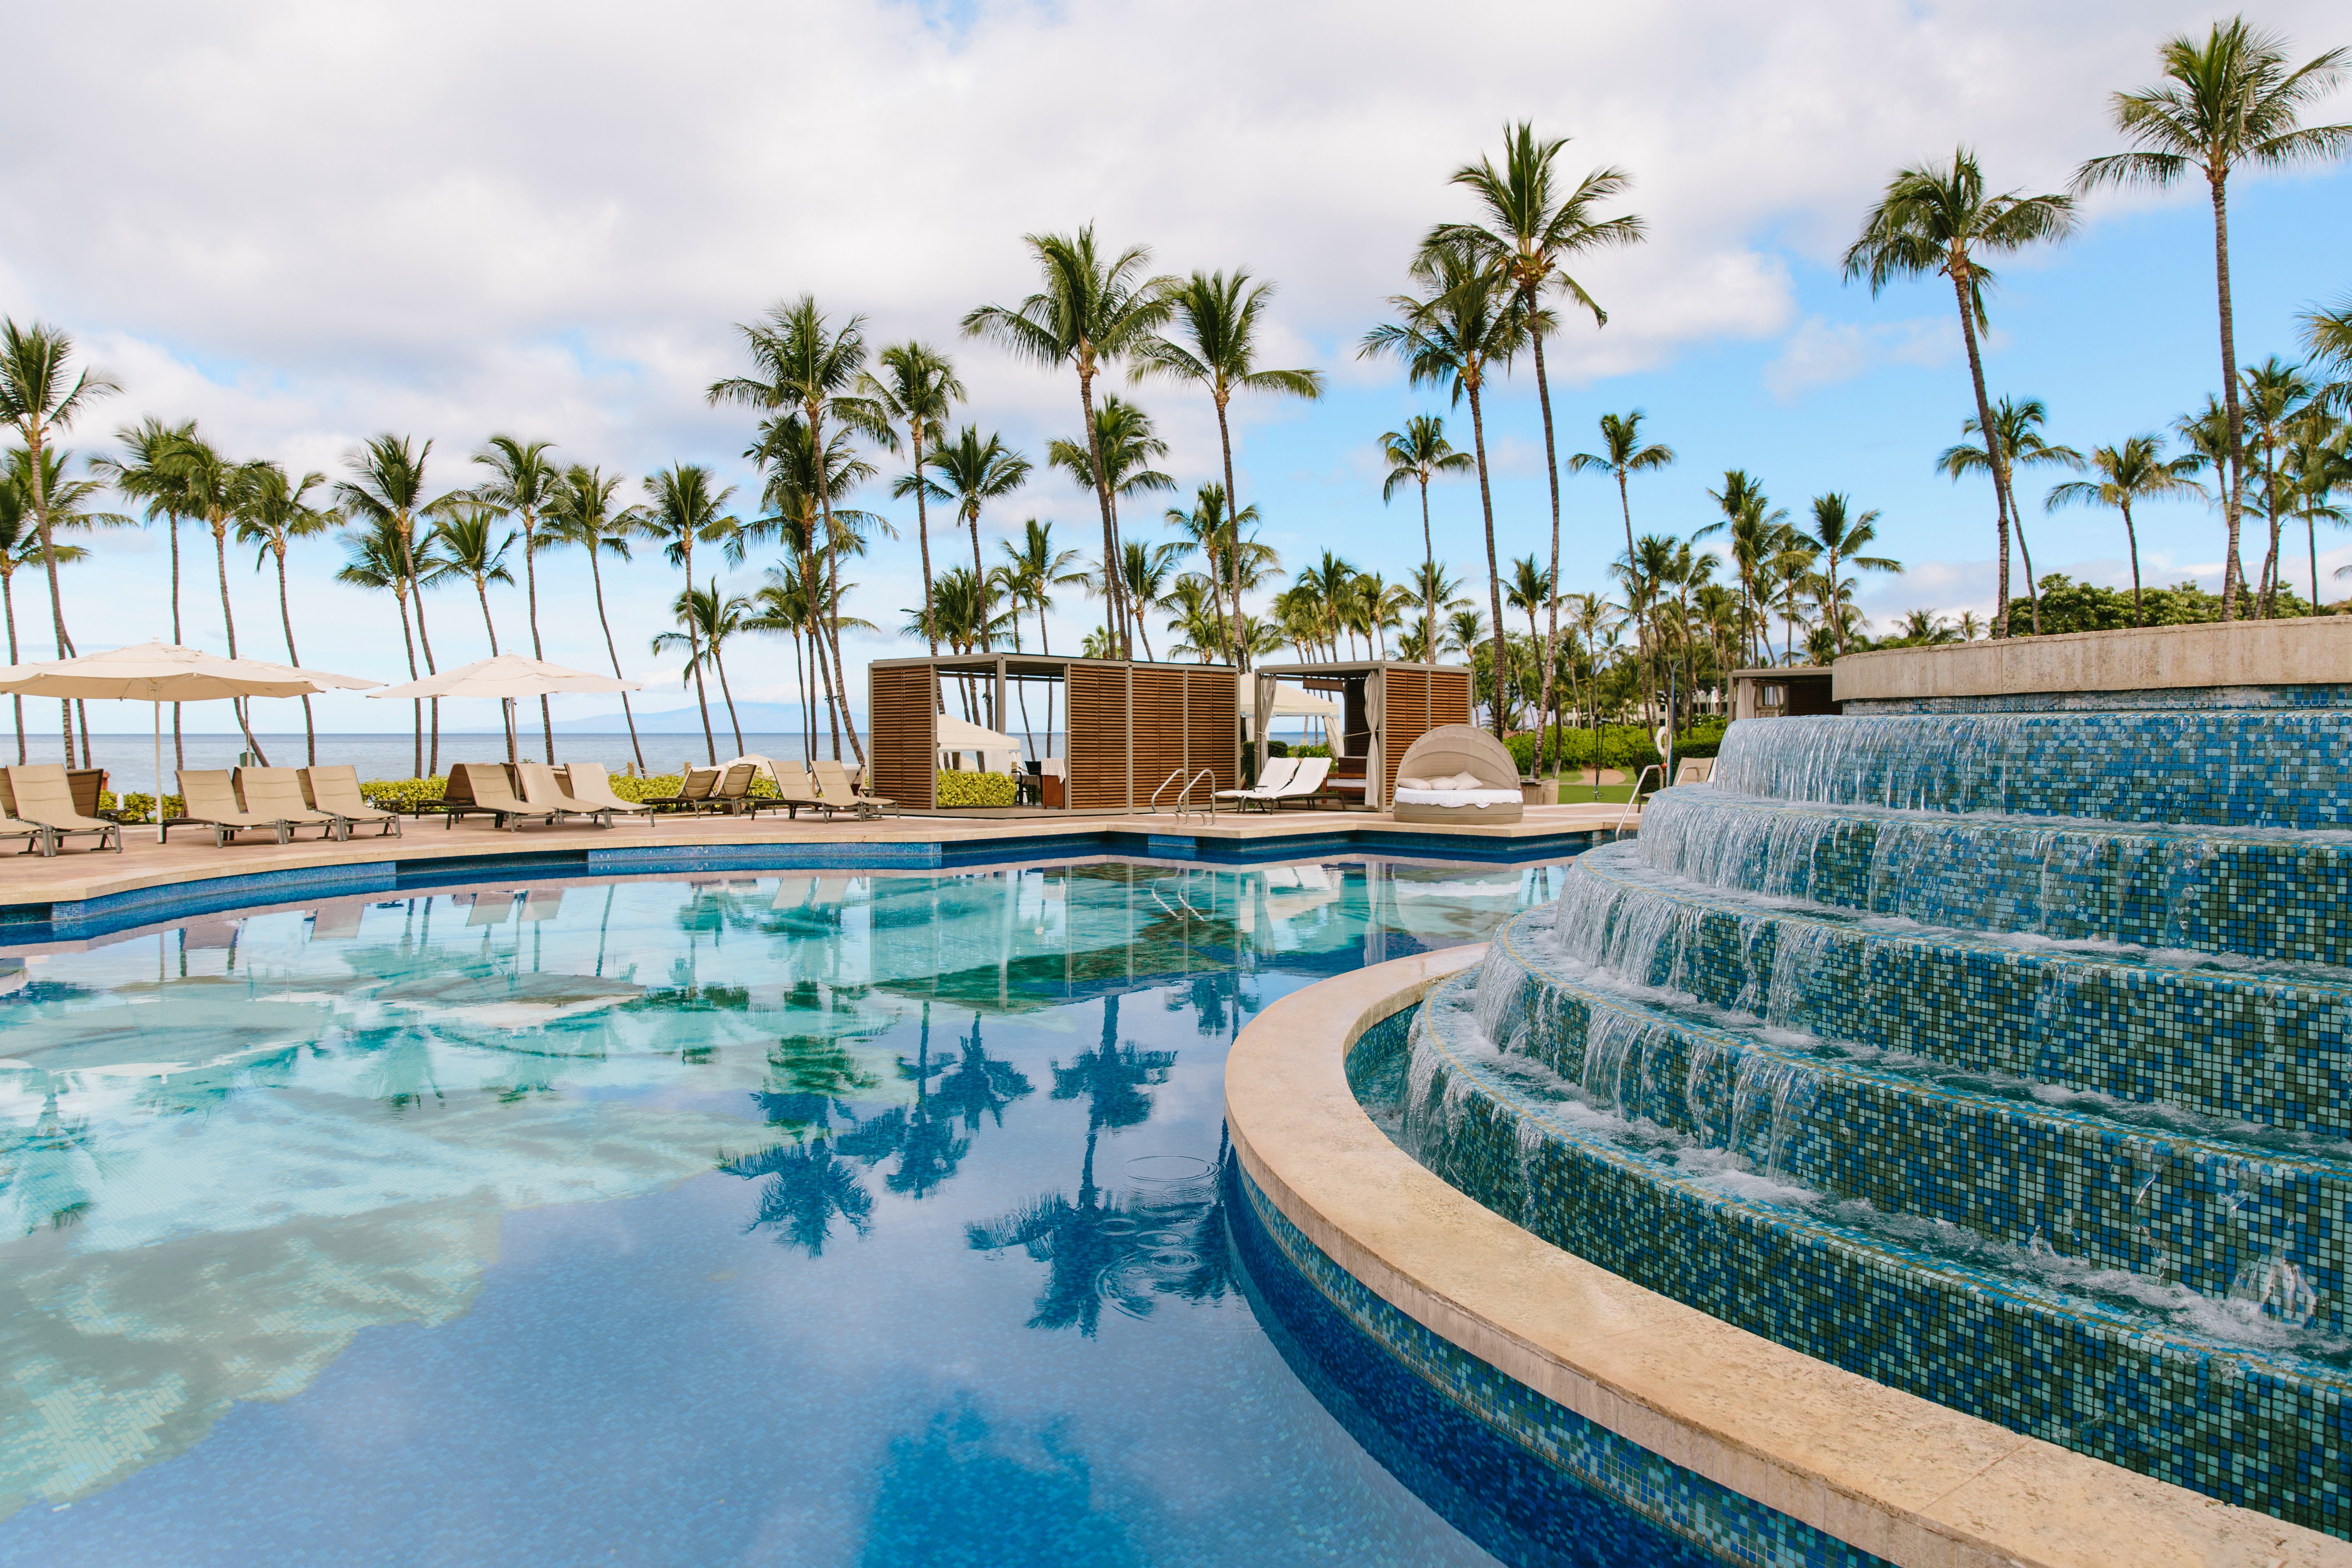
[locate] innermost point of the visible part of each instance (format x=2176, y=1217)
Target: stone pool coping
x=1880, y=1469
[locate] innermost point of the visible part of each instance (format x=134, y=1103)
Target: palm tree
x=1419, y=453
x=686, y=511
x=1130, y=447
x=1219, y=316
x=2226, y=103
x=1936, y=217
x=1623, y=455
x=1471, y=324
x=2134, y=471
x=973, y=472
x=804, y=364
x=2017, y=436
x=276, y=514
x=1030, y=573
x=40, y=395
x=1529, y=232
x=386, y=491
x=804, y=493
x=214, y=491
x=581, y=513
x=2275, y=392
x=2327, y=335
x=1754, y=537
x=139, y=476
x=1144, y=573
x=710, y=619
x=524, y=485
x=1090, y=314
x=467, y=551
x=1843, y=534
x=1530, y=590
x=917, y=388
x=2318, y=464
x=20, y=541
x=376, y=557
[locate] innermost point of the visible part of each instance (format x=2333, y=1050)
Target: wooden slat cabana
x=1388, y=704
x=1127, y=725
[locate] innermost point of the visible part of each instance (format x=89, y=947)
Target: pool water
x=813, y=1219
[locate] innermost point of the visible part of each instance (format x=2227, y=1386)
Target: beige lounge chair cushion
x=207, y=796
x=335, y=789
x=277, y=794
x=43, y=796
x=590, y=781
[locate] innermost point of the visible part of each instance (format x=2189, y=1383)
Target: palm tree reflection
x=807, y=1186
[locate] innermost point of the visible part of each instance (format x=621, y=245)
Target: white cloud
x=1820, y=352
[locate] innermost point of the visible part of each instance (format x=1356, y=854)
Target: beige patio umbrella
x=161, y=672
x=505, y=677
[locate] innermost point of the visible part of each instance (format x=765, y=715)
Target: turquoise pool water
x=806, y=1219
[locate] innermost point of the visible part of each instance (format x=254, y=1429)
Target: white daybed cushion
x=1480, y=796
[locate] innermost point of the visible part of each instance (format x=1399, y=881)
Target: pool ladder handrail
x=1181, y=794
x=1636, y=794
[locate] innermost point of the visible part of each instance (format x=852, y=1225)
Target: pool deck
x=80, y=885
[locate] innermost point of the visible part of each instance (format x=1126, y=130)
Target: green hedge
x=960, y=788
x=1625, y=747
x=402, y=795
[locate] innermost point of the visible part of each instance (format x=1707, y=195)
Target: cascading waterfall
x=2014, y=1028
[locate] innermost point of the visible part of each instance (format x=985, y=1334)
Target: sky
x=301, y=225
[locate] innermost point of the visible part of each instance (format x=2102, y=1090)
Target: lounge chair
x=1276, y=772
x=1458, y=773
x=1305, y=782
x=208, y=800
x=336, y=792
x=834, y=790
x=278, y=792
x=732, y=792
x=541, y=787
x=692, y=790
x=588, y=783
x=484, y=790
x=795, y=790
x=39, y=796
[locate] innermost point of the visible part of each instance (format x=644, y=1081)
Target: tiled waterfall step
x=2192, y=1207
x=2265, y=1044
x=2243, y=768
x=2268, y=895
x=2263, y=1429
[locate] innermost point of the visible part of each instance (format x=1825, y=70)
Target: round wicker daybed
x=1457, y=774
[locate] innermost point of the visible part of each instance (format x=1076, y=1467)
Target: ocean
x=130, y=759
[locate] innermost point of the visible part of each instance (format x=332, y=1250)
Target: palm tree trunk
x=1233, y=521
x=179, y=748
x=923, y=537
x=2131, y=538
x=408, y=570
x=979, y=578
x=400, y=598
x=830, y=623
x=33, y=450
x=597, y=577
x=811, y=592
x=1493, y=564
x=286, y=617
x=2311, y=536
x=2270, y=504
x=482, y=593
x=228, y=621
x=1428, y=572
x=530, y=603
x=2232, y=574
x=1115, y=619
x=8, y=603
x=432, y=704
x=1992, y=451
x=720, y=661
x=1551, y=633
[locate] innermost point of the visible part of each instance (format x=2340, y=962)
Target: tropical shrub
x=970, y=789
x=402, y=795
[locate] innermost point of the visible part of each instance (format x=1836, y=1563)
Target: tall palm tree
x=1218, y=318
x=523, y=485
x=2318, y=464
x=214, y=491
x=1755, y=526
x=2227, y=103
x=138, y=476
x=687, y=509
x=1145, y=571
x=1094, y=312
x=804, y=364
x=805, y=482
x=1843, y=534
x=2134, y=471
x=1937, y=217
x=2275, y=392
x=469, y=548
x=386, y=492
x=1030, y=574
x=41, y=394
x=1623, y=455
x=581, y=513
x=1470, y=325
x=20, y=541
x=1529, y=232
x=2018, y=439
x=1129, y=447
x=1529, y=590
x=1418, y=454
x=917, y=388
x=710, y=619
x=2327, y=335
x=970, y=473
x=376, y=558
x=1212, y=528
x=275, y=514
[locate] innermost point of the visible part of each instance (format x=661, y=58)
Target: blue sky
x=303, y=228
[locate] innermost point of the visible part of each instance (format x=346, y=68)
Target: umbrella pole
x=159, y=769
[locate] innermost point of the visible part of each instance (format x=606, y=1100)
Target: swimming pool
x=812, y=1219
